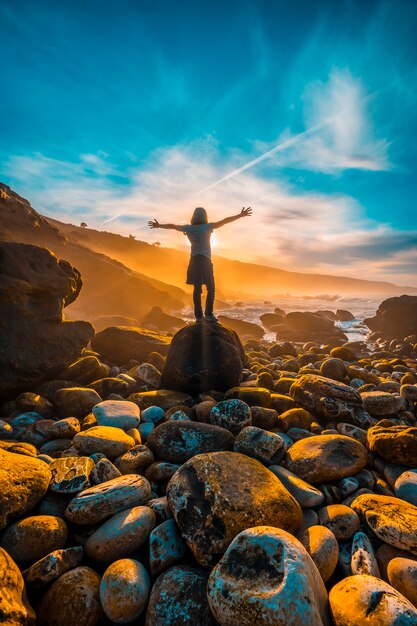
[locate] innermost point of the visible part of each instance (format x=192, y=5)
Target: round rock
x=118, y=413
x=268, y=448
x=121, y=535
x=406, y=486
x=322, y=546
x=340, y=519
x=97, y=503
x=70, y=474
x=176, y=442
x=402, y=575
x=324, y=458
x=34, y=537
x=368, y=600
x=267, y=578
x=179, y=597
x=72, y=600
x=124, y=590
x=396, y=443
x=109, y=440
x=215, y=496
x=233, y=415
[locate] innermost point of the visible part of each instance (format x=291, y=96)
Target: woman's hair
x=199, y=216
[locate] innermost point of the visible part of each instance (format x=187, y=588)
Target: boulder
x=179, y=597
x=203, y=357
x=344, y=316
x=215, y=496
x=15, y=609
x=124, y=590
x=120, y=344
x=396, y=443
x=24, y=481
x=32, y=538
x=157, y=318
x=323, y=458
x=267, y=578
x=35, y=342
x=391, y=519
x=330, y=399
x=241, y=327
x=307, y=321
x=72, y=600
x=395, y=317
x=178, y=441
x=363, y=599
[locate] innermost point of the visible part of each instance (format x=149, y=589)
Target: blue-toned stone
x=166, y=547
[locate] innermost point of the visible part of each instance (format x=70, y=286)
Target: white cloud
x=299, y=231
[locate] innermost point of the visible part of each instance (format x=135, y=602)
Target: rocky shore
x=202, y=479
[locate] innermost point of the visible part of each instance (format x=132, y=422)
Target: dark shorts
x=200, y=270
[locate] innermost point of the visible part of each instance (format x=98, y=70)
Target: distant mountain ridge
x=234, y=279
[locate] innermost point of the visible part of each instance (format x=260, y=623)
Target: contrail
x=294, y=139
x=112, y=218
x=260, y=158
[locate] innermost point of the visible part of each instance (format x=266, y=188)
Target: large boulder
x=35, y=342
x=15, y=609
x=215, y=496
x=330, y=399
x=203, y=357
x=157, y=318
x=120, y=344
x=395, y=317
x=396, y=443
x=242, y=327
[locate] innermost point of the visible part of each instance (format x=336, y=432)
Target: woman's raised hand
x=246, y=212
x=153, y=224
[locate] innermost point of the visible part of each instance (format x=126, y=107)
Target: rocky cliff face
x=35, y=342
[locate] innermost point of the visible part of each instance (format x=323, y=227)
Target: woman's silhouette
x=200, y=268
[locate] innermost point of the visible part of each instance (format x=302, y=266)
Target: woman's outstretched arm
x=156, y=224
x=244, y=213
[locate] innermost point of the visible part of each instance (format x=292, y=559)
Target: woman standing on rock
x=200, y=268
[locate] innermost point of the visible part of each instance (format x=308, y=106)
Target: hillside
x=109, y=286
x=234, y=279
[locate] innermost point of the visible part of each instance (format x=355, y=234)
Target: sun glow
x=214, y=240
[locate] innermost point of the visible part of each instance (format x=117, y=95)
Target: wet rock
x=396, y=443
x=329, y=399
x=72, y=600
x=391, y=519
x=15, y=609
x=406, y=486
x=333, y=368
x=97, y=503
x=380, y=403
x=75, y=401
x=294, y=418
x=166, y=547
x=305, y=494
x=340, y=519
x=109, y=440
x=215, y=496
x=402, y=575
x=323, y=458
x=23, y=481
x=163, y=398
x=233, y=415
x=65, y=428
x=53, y=565
x=268, y=448
x=136, y=460
x=322, y=546
x=120, y=344
x=266, y=577
x=252, y=396
x=363, y=559
x=34, y=537
x=71, y=474
x=121, y=535
x=103, y=471
x=177, y=442
x=124, y=590
x=35, y=288
x=395, y=317
x=117, y=413
x=367, y=600
x=203, y=357
x=179, y=597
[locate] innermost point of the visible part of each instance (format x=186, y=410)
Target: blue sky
x=117, y=112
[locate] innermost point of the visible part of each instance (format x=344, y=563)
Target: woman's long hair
x=199, y=216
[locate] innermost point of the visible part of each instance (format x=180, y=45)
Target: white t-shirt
x=199, y=237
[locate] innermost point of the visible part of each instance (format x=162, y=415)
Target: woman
x=200, y=268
